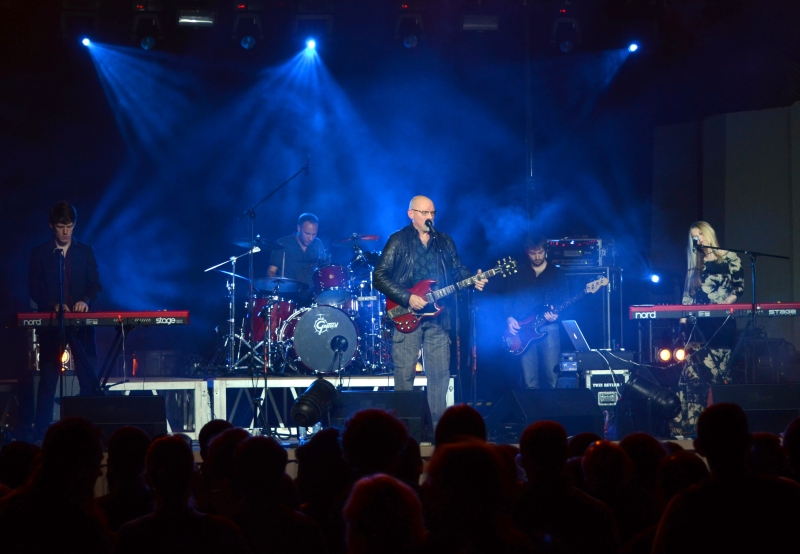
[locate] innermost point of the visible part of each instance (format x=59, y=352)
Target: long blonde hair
x=695, y=260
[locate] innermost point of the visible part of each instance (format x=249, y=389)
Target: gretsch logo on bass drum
x=644, y=315
x=321, y=325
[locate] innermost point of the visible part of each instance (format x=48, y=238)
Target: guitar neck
x=468, y=282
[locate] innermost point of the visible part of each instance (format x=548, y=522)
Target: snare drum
x=280, y=310
x=332, y=285
x=308, y=335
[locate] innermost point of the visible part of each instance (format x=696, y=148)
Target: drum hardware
x=263, y=243
x=230, y=340
x=354, y=238
x=280, y=285
x=305, y=339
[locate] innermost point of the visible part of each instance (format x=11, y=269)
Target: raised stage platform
x=191, y=403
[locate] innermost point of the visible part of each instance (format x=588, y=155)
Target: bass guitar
x=529, y=327
x=406, y=319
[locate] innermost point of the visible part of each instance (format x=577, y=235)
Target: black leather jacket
x=393, y=274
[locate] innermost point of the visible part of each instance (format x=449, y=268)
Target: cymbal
x=283, y=284
x=233, y=274
x=263, y=243
x=355, y=237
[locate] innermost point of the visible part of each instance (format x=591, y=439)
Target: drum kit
x=334, y=325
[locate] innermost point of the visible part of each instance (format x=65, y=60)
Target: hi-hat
x=355, y=237
x=281, y=283
x=263, y=243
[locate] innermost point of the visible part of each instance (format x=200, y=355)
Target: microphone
x=305, y=167
x=429, y=225
x=339, y=343
x=695, y=244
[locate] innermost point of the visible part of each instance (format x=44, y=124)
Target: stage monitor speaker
x=411, y=407
x=112, y=412
x=575, y=409
x=769, y=408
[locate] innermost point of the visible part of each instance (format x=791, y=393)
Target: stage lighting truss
x=197, y=13
x=480, y=22
x=248, y=29
x=148, y=26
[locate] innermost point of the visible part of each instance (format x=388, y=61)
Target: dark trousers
x=84, y=351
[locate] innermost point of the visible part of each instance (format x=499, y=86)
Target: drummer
x=302, y=252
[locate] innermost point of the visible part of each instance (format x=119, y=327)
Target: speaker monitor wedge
x=411, y=407
x=769, y=408
x=112, y=412
x=575, y=409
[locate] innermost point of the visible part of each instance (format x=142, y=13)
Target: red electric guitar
x=529, y=327
x=406, y=319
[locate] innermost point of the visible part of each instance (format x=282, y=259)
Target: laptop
x=576, y=335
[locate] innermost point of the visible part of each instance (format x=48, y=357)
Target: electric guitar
x=406, y=319
x=529, y=327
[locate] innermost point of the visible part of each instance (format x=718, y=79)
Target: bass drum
x=308, y=336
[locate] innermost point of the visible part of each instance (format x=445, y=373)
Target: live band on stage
x=389, y=310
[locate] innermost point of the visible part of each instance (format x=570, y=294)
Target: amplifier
x=594, y=360
x=581, y=252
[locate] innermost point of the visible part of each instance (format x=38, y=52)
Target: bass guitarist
x=535, y=288
x=412, y=254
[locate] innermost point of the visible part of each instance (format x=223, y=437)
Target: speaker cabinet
x=112, y=412
x=411, y=407
x=768, y=408
x=575, y=409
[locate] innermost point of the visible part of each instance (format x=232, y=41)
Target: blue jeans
x=541, y=358
x=436, y=351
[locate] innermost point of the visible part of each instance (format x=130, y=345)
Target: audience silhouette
x=551, y=505
x=359, y=491
x=383, y=516
x=174, y=526
x=129, y=496
x=58, y=498
x=736, y=511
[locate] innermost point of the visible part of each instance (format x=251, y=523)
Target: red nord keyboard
x=98, y=319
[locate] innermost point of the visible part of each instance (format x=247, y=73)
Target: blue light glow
x=633, y=47
x=86, y=42
x=655, y=278
x=311, y=44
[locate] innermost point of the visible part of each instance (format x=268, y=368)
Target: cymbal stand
x=231, y=286
x=250, y=214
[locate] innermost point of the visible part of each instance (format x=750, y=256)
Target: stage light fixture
x=679, y=354
x=664, y=354
x=655, y=278
x=148, y=43
x=86, y=41
x=633, y=47
x=310, y=406
x=311, y=44
x=566, y=34
x=651, y=396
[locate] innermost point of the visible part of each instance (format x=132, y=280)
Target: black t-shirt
x=294, y=262
x=528, y=293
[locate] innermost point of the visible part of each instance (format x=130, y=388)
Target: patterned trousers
x=435, y=342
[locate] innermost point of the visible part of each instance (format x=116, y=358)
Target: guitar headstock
x=594, y=286
x=506, y=266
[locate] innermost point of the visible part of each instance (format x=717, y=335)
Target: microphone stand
x=754, y=305
x=62, y=346
x=250, y=213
